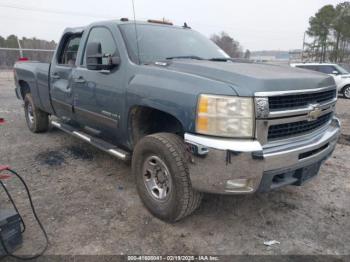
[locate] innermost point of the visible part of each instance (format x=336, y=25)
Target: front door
x=61, y=76
x=98, y=94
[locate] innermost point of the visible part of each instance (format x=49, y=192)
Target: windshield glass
x=157, y=43
x=342, y=70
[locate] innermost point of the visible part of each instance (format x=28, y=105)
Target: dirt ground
x=88, y=202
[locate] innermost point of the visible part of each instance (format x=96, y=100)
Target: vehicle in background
x=339, y=73
x=190, y=119
x=345, y=66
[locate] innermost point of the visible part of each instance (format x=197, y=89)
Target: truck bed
x=36, y=76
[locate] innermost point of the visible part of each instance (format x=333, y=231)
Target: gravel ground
x=88, y=202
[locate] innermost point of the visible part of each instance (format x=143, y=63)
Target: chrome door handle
x=80, y=79
x=55, y=76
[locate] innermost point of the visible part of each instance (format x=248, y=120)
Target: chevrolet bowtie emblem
x=314, y=113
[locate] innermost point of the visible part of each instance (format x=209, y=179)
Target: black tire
x=346, y=92
x=181, y=200
x=37, y=120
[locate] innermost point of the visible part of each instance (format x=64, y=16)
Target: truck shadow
x=264, y=210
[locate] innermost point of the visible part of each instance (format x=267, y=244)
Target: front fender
x=163, y=95
x=175, y=93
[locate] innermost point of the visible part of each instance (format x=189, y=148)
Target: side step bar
x=97, y=142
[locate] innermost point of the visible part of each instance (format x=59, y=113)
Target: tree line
x=231, y=46
x=9, y=57
x=329, y=30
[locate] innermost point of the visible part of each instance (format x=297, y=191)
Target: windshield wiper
x=220, y=59
x=185, y=57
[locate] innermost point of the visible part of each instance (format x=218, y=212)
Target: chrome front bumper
x=231, y=166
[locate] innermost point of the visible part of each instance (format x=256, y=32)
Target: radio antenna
x=137, y=37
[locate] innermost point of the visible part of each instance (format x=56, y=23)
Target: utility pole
x=302, y=52
x=20, y=48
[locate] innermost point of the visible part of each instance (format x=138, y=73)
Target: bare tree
x=247, y=54
x=228, y=44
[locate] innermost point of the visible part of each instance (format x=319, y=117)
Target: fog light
x=237, y=183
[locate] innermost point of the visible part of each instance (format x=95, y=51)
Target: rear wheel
x=346, y=92
x=37, y=120
x=162, y=177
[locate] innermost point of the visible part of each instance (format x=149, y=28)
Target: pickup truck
x=188, y=118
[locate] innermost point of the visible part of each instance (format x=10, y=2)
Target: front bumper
x=231, y=166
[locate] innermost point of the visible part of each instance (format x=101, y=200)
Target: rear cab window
x=69, y=51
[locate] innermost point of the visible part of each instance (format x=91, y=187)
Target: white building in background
x=279, y=57
x=263, y=58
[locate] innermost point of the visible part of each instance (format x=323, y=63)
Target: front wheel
x=346, y=92
x=37, y=120
x=160, y=167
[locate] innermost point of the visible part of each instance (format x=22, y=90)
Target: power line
x=62, y=12
x=232, y=28
x=53, y=11
x=26, y=49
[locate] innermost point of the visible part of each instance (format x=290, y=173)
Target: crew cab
x=190, y=119
x=339, y=73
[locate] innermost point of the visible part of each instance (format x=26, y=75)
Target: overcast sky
x=256, y=24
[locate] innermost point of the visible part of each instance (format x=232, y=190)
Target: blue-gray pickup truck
x=188, y=118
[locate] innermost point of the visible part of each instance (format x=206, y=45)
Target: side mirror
x=335, y=72
x=95, y=60
x=93, y=56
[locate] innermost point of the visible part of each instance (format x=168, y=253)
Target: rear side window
x=313, y=68
x=103, y=36
x=68, y=56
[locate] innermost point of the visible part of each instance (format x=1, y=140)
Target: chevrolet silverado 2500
x=190, y=119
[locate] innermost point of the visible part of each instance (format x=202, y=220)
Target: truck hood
x=247, y=78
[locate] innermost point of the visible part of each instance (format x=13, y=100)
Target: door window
x=103, y=36
x=327, y=69
x=69, y=52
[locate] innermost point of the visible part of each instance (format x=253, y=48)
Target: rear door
x=61, y=75
x=98, y=94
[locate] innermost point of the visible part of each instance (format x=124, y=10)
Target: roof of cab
x=77, y=30
x=123, y=21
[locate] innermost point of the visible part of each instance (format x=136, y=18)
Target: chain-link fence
x=9, y=56
x=6, y=75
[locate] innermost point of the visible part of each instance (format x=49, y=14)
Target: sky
x=256, y=24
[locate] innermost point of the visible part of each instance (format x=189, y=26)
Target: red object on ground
x=23, y=59
x=3, y=168
x=2, y=121
x=5, y=176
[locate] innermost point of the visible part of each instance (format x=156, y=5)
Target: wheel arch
x=343, y=88
x=24, y=88
x=145, y=120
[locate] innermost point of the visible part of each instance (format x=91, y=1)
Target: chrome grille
x=289, y=115
x=297, y=128
x=300, y=100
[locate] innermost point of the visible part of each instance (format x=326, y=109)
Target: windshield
x=342, y=70
x=157, y=43
x=346, y=67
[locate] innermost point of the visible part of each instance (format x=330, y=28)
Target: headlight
x=227, y=116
